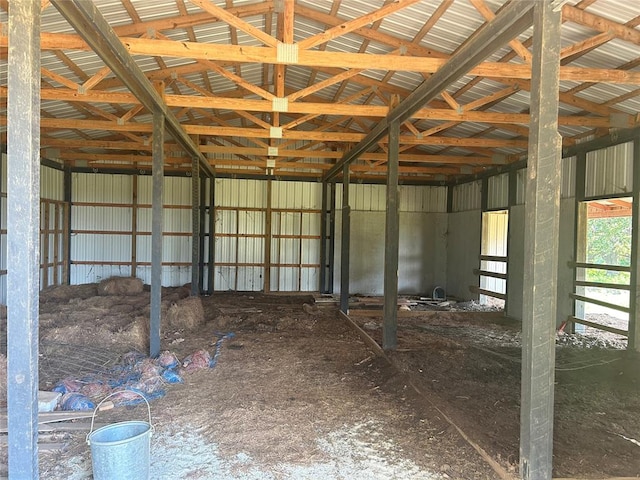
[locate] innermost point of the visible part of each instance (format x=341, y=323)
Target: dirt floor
x=297, y=394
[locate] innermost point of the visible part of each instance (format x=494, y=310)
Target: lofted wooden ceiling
x=293, y=85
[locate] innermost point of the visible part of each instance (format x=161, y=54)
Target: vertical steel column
x=66, y=226
x=391, y=244
x=513, y=200
x=23, y=231
x=202, y=228
x=484, y=195
x=332, y=236
x=450, y=198
x=580, y=236
x=322, y=287
x=267, y=240
x=195, y=226
x=542, y=210
x=634, y=299
x=212, y=235
x=156, y=232
x=346, y=237
x=134, y=226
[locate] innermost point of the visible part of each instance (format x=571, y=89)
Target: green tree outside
x=609, y=243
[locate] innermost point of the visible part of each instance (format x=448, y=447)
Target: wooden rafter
x=342, y=94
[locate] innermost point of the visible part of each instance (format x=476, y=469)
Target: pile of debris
x=134, y=376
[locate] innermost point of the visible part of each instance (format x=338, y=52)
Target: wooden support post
x=201, y=255
x=156, y=233
x=580, y=237
x=332, y=236
x=212, y=234
x=195, y=225
x=634, y=298
x=542, y=210
x=134, y=226
x=56, y=242
x=344, y=246
x=23, y=222
x=513, y=199
x=66, y=228
x=322, y=283
x=46, y=231
x=267, y=240
x=391, y=244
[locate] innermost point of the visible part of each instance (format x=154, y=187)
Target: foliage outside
x=609, y=243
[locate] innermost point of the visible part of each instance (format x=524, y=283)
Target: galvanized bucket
x=121, y=451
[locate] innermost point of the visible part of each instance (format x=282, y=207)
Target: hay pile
x=65, y=293
x=184, y=314
x=120, y=286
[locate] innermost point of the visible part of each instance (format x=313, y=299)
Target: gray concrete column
x=23, y=232
x=542, y=208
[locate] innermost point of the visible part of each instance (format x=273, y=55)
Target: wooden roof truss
x=289, y=87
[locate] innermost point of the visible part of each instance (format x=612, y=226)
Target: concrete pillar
x=23, y=232
x=542, y=208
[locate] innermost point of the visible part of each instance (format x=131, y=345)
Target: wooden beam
x=601, y=24
x=231, y=19
x=314, y=108
x=488, y=15
x=263, y=133
x=356, y=23
x=316, y=58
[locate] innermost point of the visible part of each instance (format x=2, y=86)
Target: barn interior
x=419, y=220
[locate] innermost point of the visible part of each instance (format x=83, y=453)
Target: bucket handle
x=93, y=417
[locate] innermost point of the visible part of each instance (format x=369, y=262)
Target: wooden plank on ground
x=356, y=312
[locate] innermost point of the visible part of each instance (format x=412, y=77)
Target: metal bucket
x=121, y=451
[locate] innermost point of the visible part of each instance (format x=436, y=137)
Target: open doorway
x=603, y=276
x=493, y=263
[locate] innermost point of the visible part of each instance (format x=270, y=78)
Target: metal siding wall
x=467, y=196
x=51, y=188
x=373, y=198
x=91, y=187
x=367, y=197
x=51, y=183
x=423, y=199
x=610, y=171
x=175, y=248
x=286, y=250
x=299, y=196
x=303, y=195
x=310, y=252
x=498, y=195
x=100, y=188
x=568, y=177
x=239, y=193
